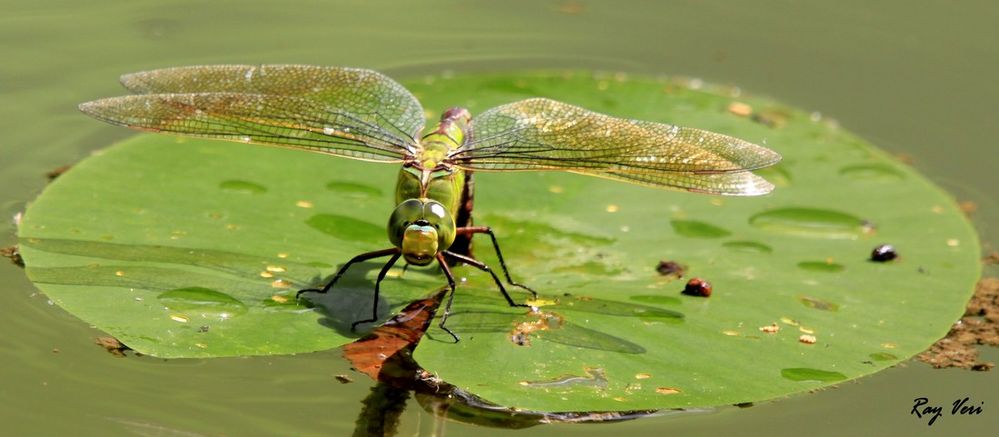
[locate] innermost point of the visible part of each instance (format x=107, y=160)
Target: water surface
x=917, y=81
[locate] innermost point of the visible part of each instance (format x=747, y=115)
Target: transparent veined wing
x=368, y=95
x=286, y=121
x=738, y=183
x=543, y=134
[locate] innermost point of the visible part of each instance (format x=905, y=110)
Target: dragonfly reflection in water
x=365, y=115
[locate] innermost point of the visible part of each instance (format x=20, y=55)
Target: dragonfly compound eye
x=405, y=215
x=440, y=219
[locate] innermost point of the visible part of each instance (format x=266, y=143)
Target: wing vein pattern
x=544, y=134
x=349, y=112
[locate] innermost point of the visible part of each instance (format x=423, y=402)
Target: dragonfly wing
x=738, y=183
x=369, y=95
x=543, y=134
x=287, y=121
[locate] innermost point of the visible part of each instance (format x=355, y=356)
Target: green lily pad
x=185, y=248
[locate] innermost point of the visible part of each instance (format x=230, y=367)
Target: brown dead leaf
x=369, y=354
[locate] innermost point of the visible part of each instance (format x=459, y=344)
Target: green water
x=915, y=79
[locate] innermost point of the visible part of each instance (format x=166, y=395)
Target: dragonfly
x=365, y=115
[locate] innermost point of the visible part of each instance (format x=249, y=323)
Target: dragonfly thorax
x=446, y=137
x=432, y=157
x=421, y=228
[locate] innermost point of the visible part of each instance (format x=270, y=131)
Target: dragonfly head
x=421, y=228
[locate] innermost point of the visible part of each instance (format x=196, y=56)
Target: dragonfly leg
x=482, y=266
x=472, y=230
x=450, y=298
x=378, y=283
x=339, y=273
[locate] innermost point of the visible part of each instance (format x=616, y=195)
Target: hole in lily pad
x=818, y=304
x=535, y=229
x=655, y=299
x=748, y=246
x=883, y=356
x=203, y=302
x=811, y=222
x=588, y=268
x=346, y=228
x=319, y=264
x=238, y=186
x=872, y=172
x=353, y=189
x=821, y=266
x=697, y=229
x=806, y=374
x=593, y=377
